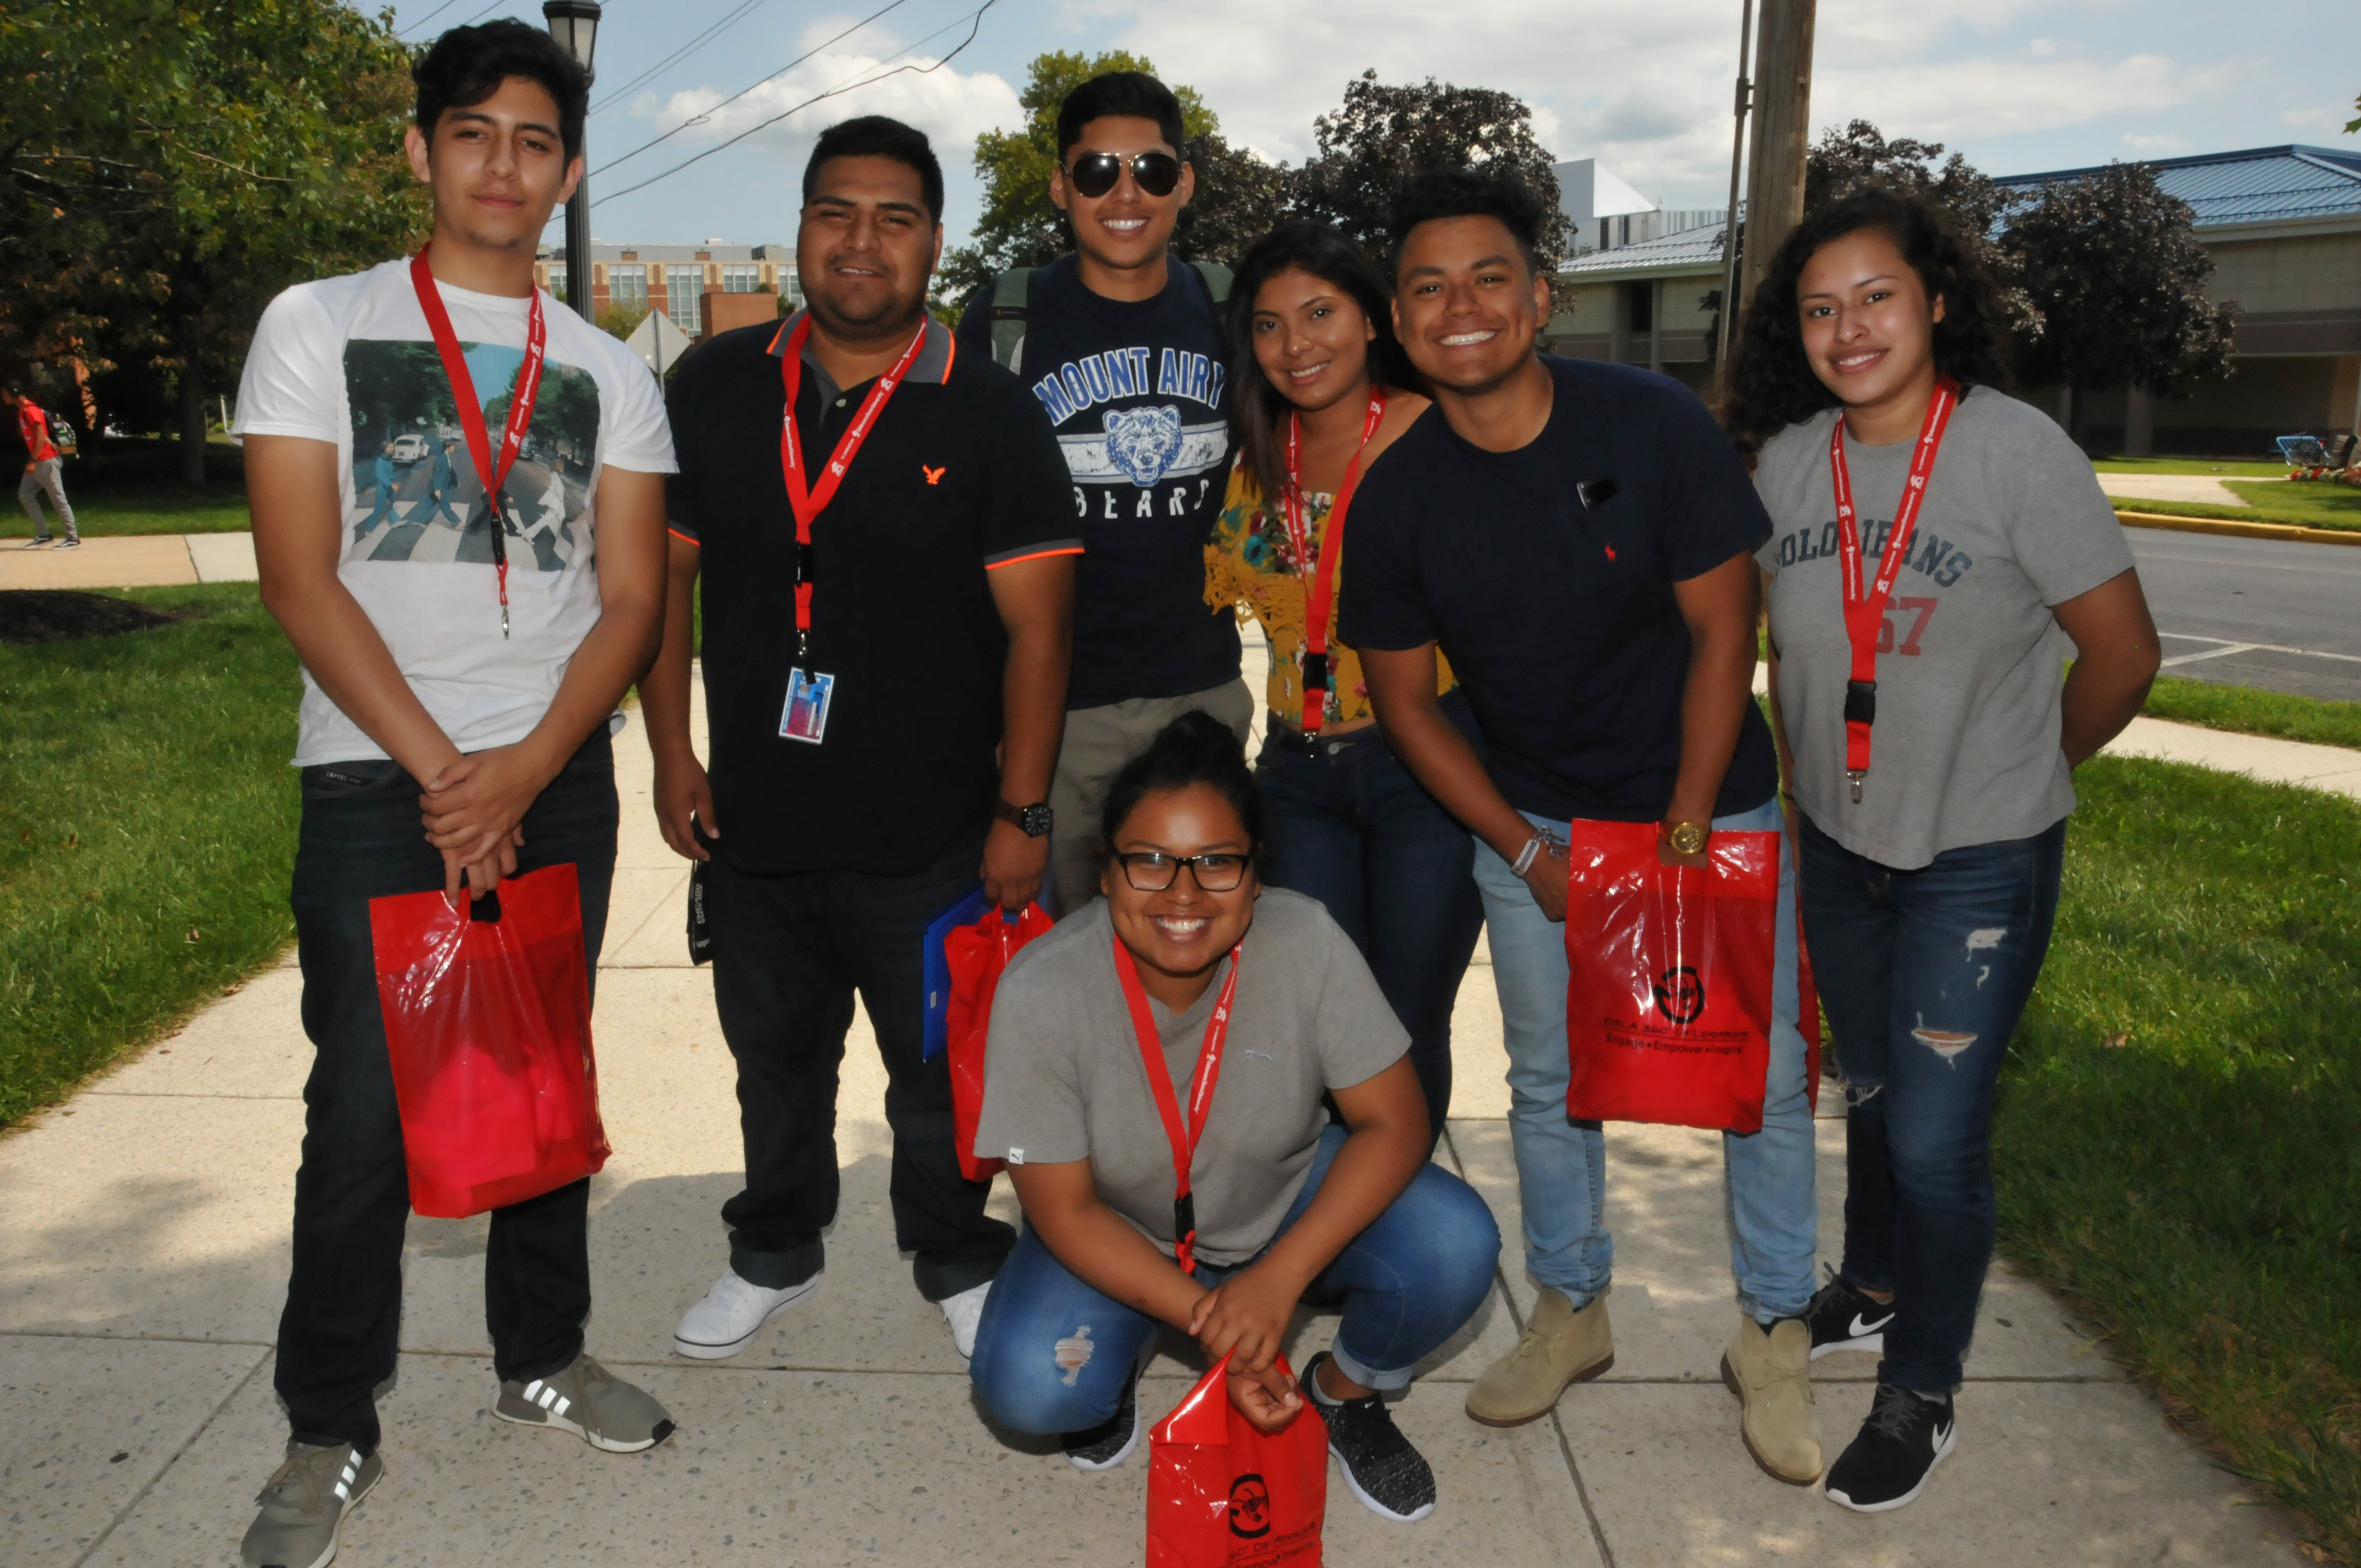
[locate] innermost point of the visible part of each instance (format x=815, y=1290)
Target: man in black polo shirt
x=1122, y=345
x=858, y=687
x=1576, y=537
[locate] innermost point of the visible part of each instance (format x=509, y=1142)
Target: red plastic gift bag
x=1668, y=1011
x=488, y=1022
x=1221, y=1495
x=976, y=955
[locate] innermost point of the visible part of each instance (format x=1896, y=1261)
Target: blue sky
x=1644, y=85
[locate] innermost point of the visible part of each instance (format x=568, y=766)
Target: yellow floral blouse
x=1249, y=558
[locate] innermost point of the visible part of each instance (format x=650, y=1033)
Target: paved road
x=2255, y=613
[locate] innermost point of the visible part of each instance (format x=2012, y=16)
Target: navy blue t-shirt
x=1561, y=622
x=1135, y=389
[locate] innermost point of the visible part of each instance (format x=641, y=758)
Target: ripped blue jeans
x=1924, y=974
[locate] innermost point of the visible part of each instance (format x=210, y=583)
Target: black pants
x=362, y=839
x=788, y=953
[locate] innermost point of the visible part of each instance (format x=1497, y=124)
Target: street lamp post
x=575, y=25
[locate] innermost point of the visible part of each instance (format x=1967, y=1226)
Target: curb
x=2239, y=529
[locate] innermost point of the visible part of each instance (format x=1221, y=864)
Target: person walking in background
x=886, y=636
x=1121, y=343
x=445, y=743
x=442, y=483
x=1577, y=537
x=381, y=475
x=44, y=470
x=1939, y=549
x=1318, y=394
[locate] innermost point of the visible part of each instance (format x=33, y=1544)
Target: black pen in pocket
x=1594, y=494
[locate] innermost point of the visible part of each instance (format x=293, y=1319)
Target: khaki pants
x=1099, y=741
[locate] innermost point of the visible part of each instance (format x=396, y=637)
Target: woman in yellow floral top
x=1319, y=390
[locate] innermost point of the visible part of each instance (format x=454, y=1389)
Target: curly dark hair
x=1771, y=382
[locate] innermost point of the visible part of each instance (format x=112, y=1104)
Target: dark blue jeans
x=1408, y=1282
x=362, y=839
x=1351, y=827
x=1924, y=974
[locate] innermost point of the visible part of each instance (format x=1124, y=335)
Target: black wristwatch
x=1034, y=818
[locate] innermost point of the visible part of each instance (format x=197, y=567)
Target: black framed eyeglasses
x=1152, y=870
x=1095, y=173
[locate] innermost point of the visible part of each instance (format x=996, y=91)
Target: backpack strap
x=1012, y=304
x=1217, y=279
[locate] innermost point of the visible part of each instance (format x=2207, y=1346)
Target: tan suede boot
x=1561, y=1347
x=1771, y=1374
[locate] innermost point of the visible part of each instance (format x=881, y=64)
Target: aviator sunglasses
x=1095, y=173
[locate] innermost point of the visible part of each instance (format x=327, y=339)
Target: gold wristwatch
x=1685, y=837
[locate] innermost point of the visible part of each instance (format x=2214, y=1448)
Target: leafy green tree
x=1381, y=136
x=167, y=166
x=2115, y=268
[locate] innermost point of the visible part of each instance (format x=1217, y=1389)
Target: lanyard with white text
x=1864, y=612
x=494, y=474
x=1182, y=1134
x=1319, y=589
x=809, y=503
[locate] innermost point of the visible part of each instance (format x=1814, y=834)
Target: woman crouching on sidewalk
x=1257, y=1003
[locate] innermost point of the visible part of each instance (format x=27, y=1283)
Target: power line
x=700, y=119
x=975, y=19
x=428, y=17
x=689, y=47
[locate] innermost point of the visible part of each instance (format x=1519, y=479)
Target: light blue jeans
x=1562, y=1164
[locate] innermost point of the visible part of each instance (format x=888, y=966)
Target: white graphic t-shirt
x=351, y=360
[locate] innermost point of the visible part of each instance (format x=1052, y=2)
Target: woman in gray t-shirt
x=1191, y=1009
x=1939, y=550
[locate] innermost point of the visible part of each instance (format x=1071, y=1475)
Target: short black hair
x=879, y=136
x=1469, y=192
x=1194, y=749
x=1134, y=93
x=467, y=65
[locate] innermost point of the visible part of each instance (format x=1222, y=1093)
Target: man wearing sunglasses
x=1122, y=344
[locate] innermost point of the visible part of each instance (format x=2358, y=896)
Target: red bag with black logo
x=1668, y=1010
x=488, y=1022
x=976, y=956
x=1221, y=1495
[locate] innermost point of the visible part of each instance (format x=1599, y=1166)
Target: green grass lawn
x=147, y=824
x=2307, y=505
x=2179, y=1139
x=2216, y=468
x=133, y=485
x=2252, y=712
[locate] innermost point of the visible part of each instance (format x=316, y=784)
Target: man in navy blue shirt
x=1123, y=346
x=1576, y=538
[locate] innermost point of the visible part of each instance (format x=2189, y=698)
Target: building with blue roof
x=2282, y=223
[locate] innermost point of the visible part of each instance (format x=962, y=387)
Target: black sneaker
x=1842, y=1318
x=1389, y=1476
x=1905, y=1437
x=1110, y=1442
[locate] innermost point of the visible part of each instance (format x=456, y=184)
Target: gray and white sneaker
x=590, y=1402
x=731, y=1314
x=964, y=1311
x=304, y=1504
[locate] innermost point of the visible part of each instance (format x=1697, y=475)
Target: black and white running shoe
x=1887, y=1465
x=1109, y=1443
x=1389, y=1476
x=1842, y=1318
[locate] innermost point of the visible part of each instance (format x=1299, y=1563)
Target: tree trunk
x=193, y=432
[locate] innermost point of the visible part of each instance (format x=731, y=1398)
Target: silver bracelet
x=1525, y=859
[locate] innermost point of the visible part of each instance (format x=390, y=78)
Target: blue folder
x=936, y=1033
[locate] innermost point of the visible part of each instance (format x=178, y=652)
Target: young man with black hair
x=887, y=628
x=1578, y=538
x=1122, y=344
x=454, y=729
x=44, y=470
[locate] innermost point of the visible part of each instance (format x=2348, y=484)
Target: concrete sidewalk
x=143, y=1256
x=130, y=561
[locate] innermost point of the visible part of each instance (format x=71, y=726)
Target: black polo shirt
x=959, y=474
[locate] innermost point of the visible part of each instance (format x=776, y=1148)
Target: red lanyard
x=809, y=503
x=1864, y=613
x=1182, y=1134
x=471, y=409
x=1321, y=591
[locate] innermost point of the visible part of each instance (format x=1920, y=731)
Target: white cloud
x=2164, y=141
x=951, y=108
x=1989, y=96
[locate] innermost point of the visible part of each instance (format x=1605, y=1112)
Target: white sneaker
x=731, y=1314
x=963, y=1312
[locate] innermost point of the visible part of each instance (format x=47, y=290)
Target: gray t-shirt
x=1965, y=749
x=1063, y=1079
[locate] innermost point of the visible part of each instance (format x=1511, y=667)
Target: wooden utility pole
x=1783, y=127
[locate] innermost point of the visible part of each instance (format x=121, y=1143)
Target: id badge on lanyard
x=809, y=691
x=1320, y=589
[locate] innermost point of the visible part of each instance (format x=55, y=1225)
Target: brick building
x=700, y=287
